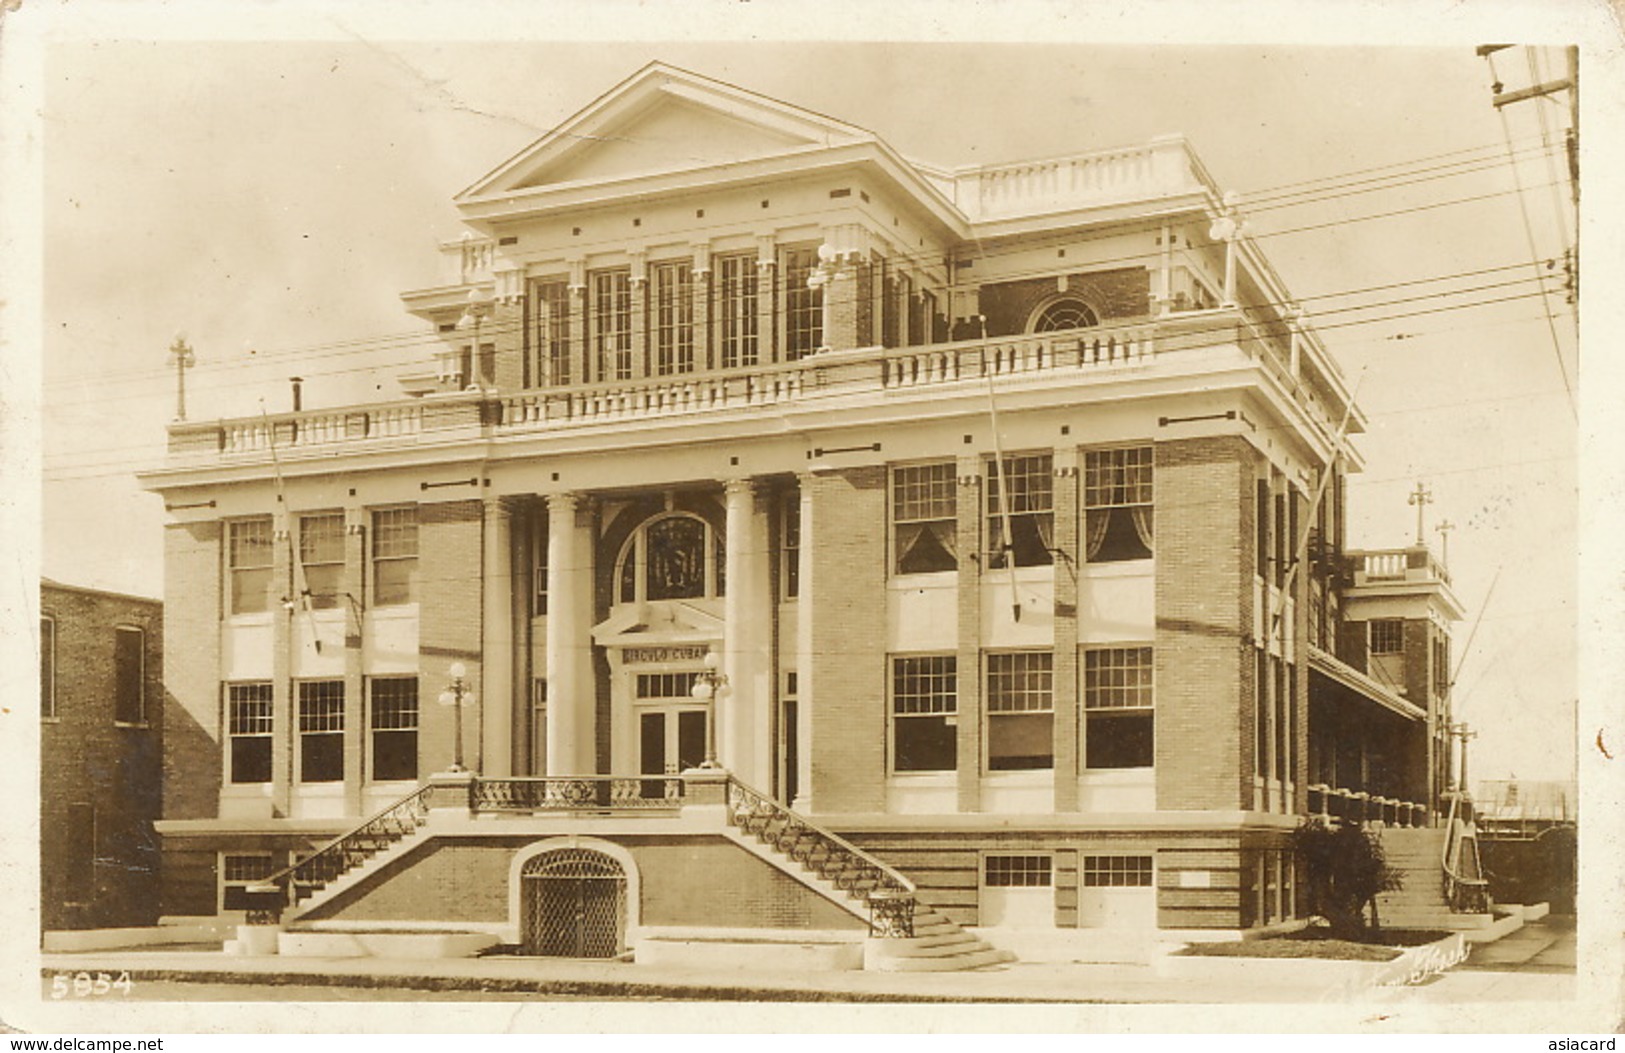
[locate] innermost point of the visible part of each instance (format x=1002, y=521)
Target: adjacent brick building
x=1007, y=501
x=101, y=733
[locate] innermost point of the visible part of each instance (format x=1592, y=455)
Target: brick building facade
x=101, y=729
x=1005, y=502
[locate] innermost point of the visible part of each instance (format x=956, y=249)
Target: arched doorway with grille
x=573, y=897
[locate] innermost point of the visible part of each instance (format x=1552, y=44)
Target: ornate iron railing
x=316, y=871
x=890, y=897
x=1466, y=893
x=576, y=793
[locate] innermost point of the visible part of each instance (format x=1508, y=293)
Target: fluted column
x=496, y=668
x=744, y=723
x=571, y=699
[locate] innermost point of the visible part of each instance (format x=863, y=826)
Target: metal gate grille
x=574, y=904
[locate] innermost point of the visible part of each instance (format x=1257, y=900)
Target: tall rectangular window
x=1031, y=510
x=538, y=726
x=1261, y=528
x=1020, y=710
x=925, y=704
x=321, y=730
x=1117, y=503
x=394, y=556
x=736, y=310
x=540, y=530
x=321, y=556
x=394, y=728
x=924, y=518
x=47, y=667
x=248, y=557
x=552, y=330
x=129, y=675
x=612, y=324
x=674, y=318
x=248, y=723
x=803, y=305
x=1117, y=705
x=790, y=546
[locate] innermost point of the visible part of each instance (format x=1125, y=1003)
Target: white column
x=496, y=647
x=744, y=722
x=571, y=701
x=806, y=660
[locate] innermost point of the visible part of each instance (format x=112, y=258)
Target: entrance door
x=671, y=739
x=574, y=904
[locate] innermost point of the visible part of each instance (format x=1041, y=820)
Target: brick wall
x=192, y=736
x=505, y=328
x=99, y=867
x=449, y=544
x=848, y=622
x=1204, y=618
x=1122, y=293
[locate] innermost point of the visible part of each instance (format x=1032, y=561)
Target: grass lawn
x=1316, y=943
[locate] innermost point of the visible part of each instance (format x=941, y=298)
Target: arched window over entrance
x=573, y=903
x=674, y=556
x=1066, y=313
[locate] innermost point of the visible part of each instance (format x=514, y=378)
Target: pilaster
x=968, y=505
x=283, y=716
x=352, y=586
x=1068, y=699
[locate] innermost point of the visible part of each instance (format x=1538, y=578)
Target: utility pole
x=1420, y=497
x=183, y=358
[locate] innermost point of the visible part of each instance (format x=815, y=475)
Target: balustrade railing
x=259, y=434
x=889, y=895
x=1364, y=807
x=910, y=367
x=572, y=793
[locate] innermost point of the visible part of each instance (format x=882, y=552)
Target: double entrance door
x=674, y=729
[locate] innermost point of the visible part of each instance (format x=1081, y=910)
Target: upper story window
x=540, y=531
x=1066, y=313
x=1117, y=705
x=47, y=667
x=552, y=301
x=1117, y=503
x=612, y=324
x=924, y=518
x=803, y=306
x=129, y=675
x=394, y=556
x=676, y=556
x=1387, y=635
x=1020, y=710
x=321, y=554
x=249, y=561
x=737, y=319
x=674, y=318
x=1030, y=510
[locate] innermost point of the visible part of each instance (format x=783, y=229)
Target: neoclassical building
x=977, y=529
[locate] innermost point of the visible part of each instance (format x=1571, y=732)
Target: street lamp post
x=455, y=694
x=709, y=686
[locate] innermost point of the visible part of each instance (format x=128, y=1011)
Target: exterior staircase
x=1442, y=887
x=908, y=936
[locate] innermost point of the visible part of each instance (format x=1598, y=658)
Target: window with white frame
x=538, y=726
x=394, y=556
x=394, y=728
x=47, y=667
x=539, y=534
x=321, y=556
x=1066, y=313
x=1115, y=872
x=552, y=299
x=674, y=556
x=248, y=725
x=924, y=518
x=1118, y=710
x=737, y=318
x=803, y=305
x=1020, y=710
x=612, y=324
x=1030, y=510
x=790, y=543
x=1387, y=635
x=1012, y=871
x=321, y=731
x=239, y=870
x=248, y=559
x=674, y=317
x=925, y=705
x=1117, y=504
x=129, y=675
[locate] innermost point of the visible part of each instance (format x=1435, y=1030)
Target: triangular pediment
x=665, y=120
x=660, y=623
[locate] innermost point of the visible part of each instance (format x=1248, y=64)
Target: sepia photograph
x=614, y=515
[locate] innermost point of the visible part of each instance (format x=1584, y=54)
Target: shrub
x=1345, y=870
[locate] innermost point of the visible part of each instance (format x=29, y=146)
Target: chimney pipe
x=298, y=388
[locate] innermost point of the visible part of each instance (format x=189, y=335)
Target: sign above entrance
x=651, y=655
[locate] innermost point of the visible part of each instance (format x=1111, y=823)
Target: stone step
x=978, y=959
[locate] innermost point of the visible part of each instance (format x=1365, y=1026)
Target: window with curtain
x=924, y=706
x=248, y=557
x=321, y=557
x=1020, y=711
x=924, y=518
x=394, y=556
x=1031, y=482
x=1117, y=504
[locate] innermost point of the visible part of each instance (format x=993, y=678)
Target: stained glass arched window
x=1064, y=314
x=667, y=559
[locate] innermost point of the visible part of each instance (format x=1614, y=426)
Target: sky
x=271, y=199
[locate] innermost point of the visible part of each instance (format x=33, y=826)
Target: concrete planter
x=748, y=950
x=1413, y=965
x=419, y=945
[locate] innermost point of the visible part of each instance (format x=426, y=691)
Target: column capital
x=969, y=469
x=702, y=257
x=566, y=501
x=578, y=273
x=743, y=485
